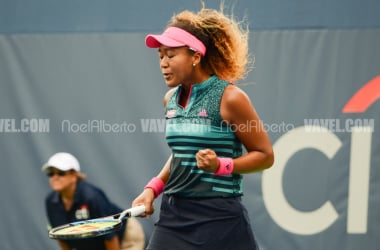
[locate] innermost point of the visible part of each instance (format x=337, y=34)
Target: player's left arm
x=238, y=110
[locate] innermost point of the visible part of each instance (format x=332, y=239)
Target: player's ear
x=196, y=58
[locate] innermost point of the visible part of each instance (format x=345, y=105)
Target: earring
x=194, y=64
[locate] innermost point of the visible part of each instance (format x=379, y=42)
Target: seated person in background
x=74, y=199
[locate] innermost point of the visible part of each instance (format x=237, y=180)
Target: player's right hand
x=146, y=198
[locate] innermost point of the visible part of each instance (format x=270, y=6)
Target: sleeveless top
x=199, y=126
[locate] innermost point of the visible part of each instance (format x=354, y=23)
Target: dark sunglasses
x=59, y=172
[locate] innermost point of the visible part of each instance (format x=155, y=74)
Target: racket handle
x=136, y=211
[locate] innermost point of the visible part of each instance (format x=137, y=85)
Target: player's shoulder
x=234, y=95
x=169, y=94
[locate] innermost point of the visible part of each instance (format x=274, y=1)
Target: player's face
x=60, y=180
x=176, y=65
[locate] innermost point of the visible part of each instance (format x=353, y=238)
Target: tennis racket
x=94, y=227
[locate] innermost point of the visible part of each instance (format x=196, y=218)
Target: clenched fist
x=207, y=160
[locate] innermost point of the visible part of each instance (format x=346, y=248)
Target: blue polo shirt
x=89, y=202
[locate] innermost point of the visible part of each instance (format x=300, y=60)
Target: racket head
x=85, y=229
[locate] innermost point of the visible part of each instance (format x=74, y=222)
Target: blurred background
x=75, y=76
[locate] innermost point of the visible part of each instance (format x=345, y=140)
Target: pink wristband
x=157, y=185
x=226, y=166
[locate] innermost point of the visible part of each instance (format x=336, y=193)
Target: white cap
x=62, y=161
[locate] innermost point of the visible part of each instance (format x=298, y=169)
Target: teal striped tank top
x=199, y=126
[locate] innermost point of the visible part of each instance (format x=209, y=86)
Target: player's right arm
x=148, y=195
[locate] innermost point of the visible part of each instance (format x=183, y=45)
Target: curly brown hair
x=226, y=40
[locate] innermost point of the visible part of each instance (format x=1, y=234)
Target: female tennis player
x=74, y=199
x=209, y=121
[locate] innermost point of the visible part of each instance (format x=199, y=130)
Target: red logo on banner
x=364, y=98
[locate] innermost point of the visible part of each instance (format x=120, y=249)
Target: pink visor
x=175, y=37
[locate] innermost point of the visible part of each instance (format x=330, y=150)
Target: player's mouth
x=166, y=76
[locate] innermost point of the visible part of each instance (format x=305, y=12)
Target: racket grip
x=136, y=211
